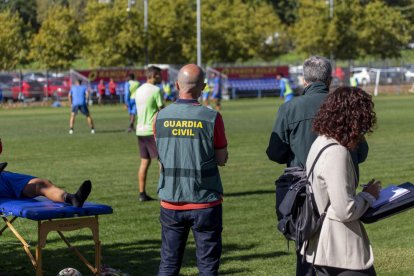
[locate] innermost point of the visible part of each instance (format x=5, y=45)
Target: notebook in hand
x=398, y=205
x=389, y=194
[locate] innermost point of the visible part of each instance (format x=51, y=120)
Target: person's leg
x=90, y=121
x=207, y=228
x=131, y=122
x=85, y=111
x=43, y=187
x=217, y=101
x=72, y=120
x=132, y=110
x=148, y=151
x=142, y=174
x=214, y=101
x=174, y=233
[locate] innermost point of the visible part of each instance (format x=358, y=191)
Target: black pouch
x=290, y=176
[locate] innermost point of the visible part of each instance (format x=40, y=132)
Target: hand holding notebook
x=389, y=194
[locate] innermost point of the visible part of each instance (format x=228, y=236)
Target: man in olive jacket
x=292, y=134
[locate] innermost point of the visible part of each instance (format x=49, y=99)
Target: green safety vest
x=207, y=87
x=189, y=170
x=167, y=89
x=353, y=82
x=288, y=89
x=133, y=86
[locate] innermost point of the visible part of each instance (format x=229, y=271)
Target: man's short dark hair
x=152, y=71
x=317, y=68
x=131, y=76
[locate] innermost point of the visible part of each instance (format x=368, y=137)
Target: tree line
x=55, y=33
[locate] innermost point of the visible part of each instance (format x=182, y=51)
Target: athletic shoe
x=92, y=131
x=144, y=197
x=70, y=131
x=80, y=196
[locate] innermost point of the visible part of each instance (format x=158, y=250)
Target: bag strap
x=313, y=200
x=311, y=171
x=319, y=155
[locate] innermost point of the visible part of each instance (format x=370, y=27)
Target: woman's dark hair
x=346, y=115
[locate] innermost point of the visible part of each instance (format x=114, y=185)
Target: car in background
x=409, y=73
x=393, y=75
x=36, y=76
x=27, y=89
x=6, y=78
x=362, y=75
x=58, y=87
x=5, y=92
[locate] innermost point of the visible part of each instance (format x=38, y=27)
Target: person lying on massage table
x=16, y=185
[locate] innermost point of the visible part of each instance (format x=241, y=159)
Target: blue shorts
x=132, y=107
x=289, y=97
x=83, y=109
x=216, y=96
x=205, y=96
x=12, y=184
x=169, y=97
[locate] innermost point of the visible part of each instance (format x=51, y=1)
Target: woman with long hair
x=342, y=246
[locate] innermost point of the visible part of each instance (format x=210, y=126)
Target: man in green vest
x=206, y=93
x=353, y=81
x=168, y=93
x=285, y=89
x=191, y=144
x=130, y=87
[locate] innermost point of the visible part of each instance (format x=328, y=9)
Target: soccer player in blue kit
x=130, y=87
x=78, y=99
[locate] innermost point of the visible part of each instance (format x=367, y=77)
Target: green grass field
x=36, y=141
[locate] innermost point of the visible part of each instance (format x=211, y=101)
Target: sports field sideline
x=36, y=141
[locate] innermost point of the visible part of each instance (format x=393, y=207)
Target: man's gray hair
x=317, y=68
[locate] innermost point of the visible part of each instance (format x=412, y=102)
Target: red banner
x=118, y=75
x=253, y=72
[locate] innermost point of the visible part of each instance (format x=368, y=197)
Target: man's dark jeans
x=206, y=224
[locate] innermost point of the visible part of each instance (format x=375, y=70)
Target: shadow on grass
x=135, y=257
x=248, y=193
x=111, y=131
x=249, y=257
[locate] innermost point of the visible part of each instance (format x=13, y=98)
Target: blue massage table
x=54, y=216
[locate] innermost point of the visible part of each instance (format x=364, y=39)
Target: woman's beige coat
x=343, y=242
